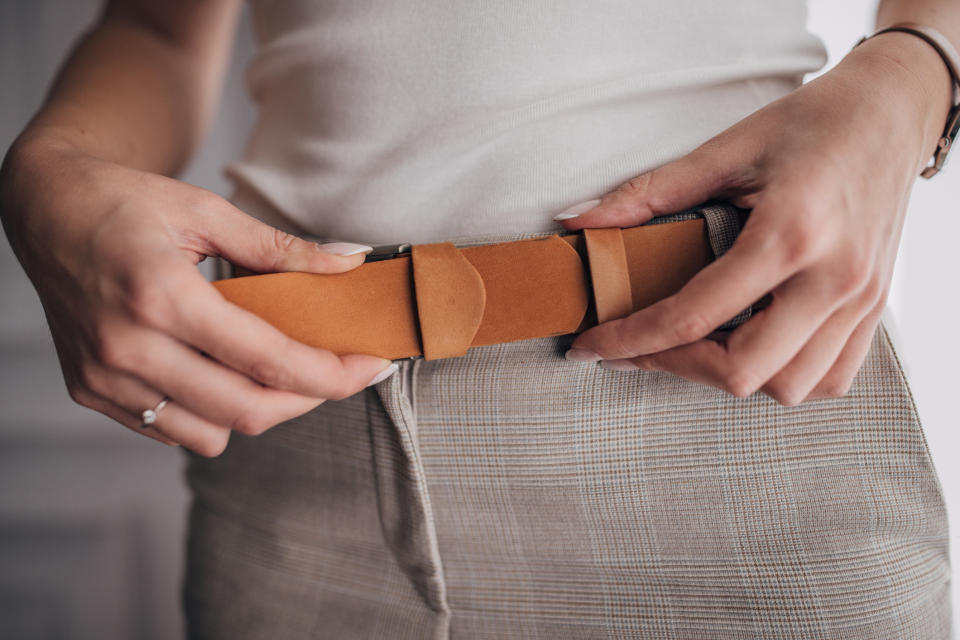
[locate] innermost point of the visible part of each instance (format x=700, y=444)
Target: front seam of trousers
x=406, y=514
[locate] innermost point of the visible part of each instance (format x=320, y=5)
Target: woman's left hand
x=827, y=171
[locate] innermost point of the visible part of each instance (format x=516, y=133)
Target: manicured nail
x=383, y=375
x=581, y=355
x=576, y=210
x=619, y=365
x=344, y=248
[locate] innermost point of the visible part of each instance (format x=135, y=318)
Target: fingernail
x=344, y=248
x=581, y=355
x=576, y=210
x=619, y=365
x=383, y=375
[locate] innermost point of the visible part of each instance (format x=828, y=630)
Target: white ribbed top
x=423, y=120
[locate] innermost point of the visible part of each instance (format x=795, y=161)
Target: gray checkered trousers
x=510, y=493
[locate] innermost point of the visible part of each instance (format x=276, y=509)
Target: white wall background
x=92, y=517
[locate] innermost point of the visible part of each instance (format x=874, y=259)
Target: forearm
x=139, y=89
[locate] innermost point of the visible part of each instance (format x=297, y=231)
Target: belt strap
x=439, y=299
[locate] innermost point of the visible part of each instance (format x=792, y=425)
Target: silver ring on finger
x=149, y=416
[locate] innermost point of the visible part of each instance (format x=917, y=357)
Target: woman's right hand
x=112, y=252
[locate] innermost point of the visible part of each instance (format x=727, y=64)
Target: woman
x=510, y=492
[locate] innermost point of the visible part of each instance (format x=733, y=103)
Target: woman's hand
x=828, y=171
x=112, y=253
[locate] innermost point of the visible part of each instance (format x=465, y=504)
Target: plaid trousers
x=510, y=493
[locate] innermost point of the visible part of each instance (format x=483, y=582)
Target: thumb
x=675, y=186
x=245, y=241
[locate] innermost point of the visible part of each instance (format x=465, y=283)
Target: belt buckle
x=388, y=251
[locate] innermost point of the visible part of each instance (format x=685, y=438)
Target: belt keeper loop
x=609, y=273
x=450, y=299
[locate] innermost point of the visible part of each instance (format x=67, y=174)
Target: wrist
x=908, y=68
x=35, y=178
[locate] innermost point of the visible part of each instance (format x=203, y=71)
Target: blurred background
x=92, y=517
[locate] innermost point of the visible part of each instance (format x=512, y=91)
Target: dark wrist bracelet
x=952, y=59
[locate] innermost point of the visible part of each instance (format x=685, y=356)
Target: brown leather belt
x=438, y=300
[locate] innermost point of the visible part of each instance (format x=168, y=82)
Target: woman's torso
x=440, y=119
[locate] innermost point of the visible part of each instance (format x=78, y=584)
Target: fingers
x=194, y=433
x=823, y=368
x=245, y=241
x=174, y=422
x=773, y=248
x=838, y=379
x=747, y=272
x=207, y=399
x=254, y=347
x=129, y=397
x=212, y=397
x=217, y=394
x=704, y=173
x=703, y=361
x=820, y=369
x=124, y=417
x=764, y=345
x=189, y=309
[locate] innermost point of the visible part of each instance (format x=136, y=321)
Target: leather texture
x=609, y=273
x=441, y=300
x=451, y=298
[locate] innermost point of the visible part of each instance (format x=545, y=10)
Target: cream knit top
x=421, y=120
